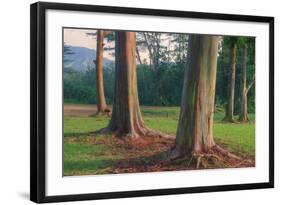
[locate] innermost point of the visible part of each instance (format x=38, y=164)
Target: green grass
x=80, y=126
x=82, y=157
x=237, y=138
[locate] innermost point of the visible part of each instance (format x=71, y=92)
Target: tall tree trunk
x=101, y=103
x=231, y=85
x=244, y=108
x=195, y=128
x=126, y=117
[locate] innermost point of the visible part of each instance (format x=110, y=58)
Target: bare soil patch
x=79, y=110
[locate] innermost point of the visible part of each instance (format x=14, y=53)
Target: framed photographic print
x=129, y=102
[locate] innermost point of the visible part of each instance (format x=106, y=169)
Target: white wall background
x=14, y=101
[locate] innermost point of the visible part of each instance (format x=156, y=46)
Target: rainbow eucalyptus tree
x=101, y=102
x=195, y=128
x=229, y=111
x=126, y=119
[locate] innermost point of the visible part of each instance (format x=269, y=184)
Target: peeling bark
x=138, y=56
x=195, y=128
x=126, y=117
x=101, y=103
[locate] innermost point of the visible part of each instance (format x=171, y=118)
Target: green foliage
x=66, y=51
x=84, y=158
x=77, y=126
x=80, y=87
x=162, y=86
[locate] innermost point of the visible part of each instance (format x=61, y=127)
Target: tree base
x=216, y=157
x=244, y=119
x=229, y=119
x=104, y=112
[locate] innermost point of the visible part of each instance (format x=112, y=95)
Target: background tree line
x=160, y=76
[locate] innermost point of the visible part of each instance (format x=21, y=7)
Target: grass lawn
x=85, y=154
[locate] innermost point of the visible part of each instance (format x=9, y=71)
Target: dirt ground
x=82, y=110
x=79, y=110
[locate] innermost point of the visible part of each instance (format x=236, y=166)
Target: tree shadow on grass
x=88, y=167
x=79, y=134
x=113, y=166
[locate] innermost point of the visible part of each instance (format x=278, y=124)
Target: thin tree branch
x=148, y=47
x=251, y=84
x=138, y=55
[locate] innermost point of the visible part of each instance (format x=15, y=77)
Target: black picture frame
x=38, y=104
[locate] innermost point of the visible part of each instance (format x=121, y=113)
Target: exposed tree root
x=229, y=119
x=198, y=162
x=225, y=152
x=174, y=154
x=214, y=158
x=243, y=162
x=243, y=120
x=152, y=133
x=104, y=112
x=210, y=161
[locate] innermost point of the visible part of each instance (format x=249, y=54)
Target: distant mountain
x=80, y=57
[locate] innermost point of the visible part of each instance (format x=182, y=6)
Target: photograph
x=134, y=102
x=142, y=101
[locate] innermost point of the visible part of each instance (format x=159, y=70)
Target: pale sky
x=79, y=37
